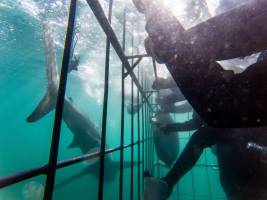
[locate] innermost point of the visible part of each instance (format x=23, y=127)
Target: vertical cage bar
x=207, y=175
x=122, y=109
x=146, y=142
x=193, y=184
x=132, y=140
x=151, y=141
x=51, y=172
x=132, y=136
x=150, y=136
x=132, y=127
x=146, y=132
x=143, y=131
x=155, y=68
x=138, y=134
x=104, y=114
x=192, y=172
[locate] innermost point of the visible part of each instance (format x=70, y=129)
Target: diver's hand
x=166, y=37
x=163, y=29
x=145, y=6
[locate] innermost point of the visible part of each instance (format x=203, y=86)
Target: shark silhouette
x=86, y=135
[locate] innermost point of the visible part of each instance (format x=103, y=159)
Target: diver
x=194, y=123
x=168, y=83
x=167, y=101
x=172, y=108
x=241, y=155
x=220, y=97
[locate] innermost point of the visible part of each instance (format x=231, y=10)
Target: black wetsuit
x=243, y=172
x=193, y=124
x=171, y=108
x=191, y=55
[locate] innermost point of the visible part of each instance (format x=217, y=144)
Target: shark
x=86, y=135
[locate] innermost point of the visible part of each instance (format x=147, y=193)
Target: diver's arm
x=195, y=123
x=163, y=83
x=207, y=41
x=173, y=98
x=189, y=156
x=184, y=108
x=185, y=126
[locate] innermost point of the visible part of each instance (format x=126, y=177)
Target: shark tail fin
x=49, y=100
x=44, y=107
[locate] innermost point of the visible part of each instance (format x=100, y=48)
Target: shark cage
x=116, y=156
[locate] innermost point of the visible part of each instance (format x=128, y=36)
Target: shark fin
x=45, y=106
x=74, y=143
x=49, y=100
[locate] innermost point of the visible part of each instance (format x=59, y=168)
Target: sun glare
x=180, y=9
x=177, y=7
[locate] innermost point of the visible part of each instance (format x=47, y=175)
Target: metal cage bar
x=104, y=113
x=17, y=177
x=51, y=170
x=138, y=135
x=100, y=16
x=132, y=140
x=122, y=107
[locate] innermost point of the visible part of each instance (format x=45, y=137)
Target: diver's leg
x=156, y=189
x=189, y=157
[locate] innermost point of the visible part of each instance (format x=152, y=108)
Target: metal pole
x=155, y=68
x=146, y=132
x=138, y=56
x=122, y=109
x=52, y=164
x=132, y=139
x=138, y=133
x=100, y=15
x=132, y=131
x=104, y=114
x=143, y=134
x=207, y=174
